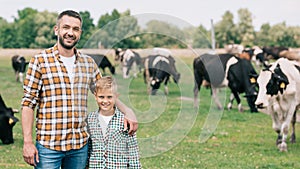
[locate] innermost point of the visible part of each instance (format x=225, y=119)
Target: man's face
x=68, y=31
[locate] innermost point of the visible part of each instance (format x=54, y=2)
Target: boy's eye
x=101, y=97
x=109, y=97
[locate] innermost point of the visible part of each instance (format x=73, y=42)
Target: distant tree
x=115, y=29
x=25, y=32
x=43, y=26
x=245, y=27
x=225, y=30
x=263, y=37
x=201, y=38
x=162, y=34
x=283, y=35
x=88, y=28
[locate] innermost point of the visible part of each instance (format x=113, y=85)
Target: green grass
x=169, y=128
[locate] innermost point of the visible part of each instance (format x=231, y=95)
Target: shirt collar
x=56, y=53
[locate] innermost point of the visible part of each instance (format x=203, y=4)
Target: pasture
x=172, y=134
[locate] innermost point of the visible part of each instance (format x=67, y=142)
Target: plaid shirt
x=117, y=150
x=61, y=106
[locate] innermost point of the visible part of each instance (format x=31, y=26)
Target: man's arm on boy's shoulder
x=130, y=118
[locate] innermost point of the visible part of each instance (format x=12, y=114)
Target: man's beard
x=61, y=41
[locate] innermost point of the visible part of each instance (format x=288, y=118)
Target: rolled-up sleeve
x=32, y=84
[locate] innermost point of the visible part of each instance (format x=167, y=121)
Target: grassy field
x=172, y=134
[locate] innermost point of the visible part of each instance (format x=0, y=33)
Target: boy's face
x=106, y=100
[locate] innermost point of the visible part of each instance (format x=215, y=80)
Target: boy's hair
x=106, y=82
x=69, y=13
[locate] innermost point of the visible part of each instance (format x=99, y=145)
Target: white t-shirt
x=69, y=63
x=104, y=120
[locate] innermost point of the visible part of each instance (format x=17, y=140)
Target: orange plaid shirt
x=61, y=106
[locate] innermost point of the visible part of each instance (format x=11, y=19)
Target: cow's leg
x=196, y=91
x=216, y=98
x=21, y=77
x=285, y=126
x=125, y=72
x=231, y=99
x=17, y=75
x=293, y=135
x=166, y=85
x=198, y=82
x=135, y=69
x=238, y=100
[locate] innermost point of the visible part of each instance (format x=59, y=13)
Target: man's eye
x=76, y=29
x=66, y=27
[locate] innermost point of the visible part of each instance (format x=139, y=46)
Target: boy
x=109, y=145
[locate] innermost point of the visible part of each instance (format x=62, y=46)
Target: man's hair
x=69, y=13
x=106, y=82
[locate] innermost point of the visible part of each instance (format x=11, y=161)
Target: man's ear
x=55, y=30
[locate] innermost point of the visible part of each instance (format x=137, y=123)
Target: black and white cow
x=19, y=64
x=273, y=52
x=225, y=70
x=129, y=60
x=103, y=62
x=279, y=93
x=7, y=122
x=158, y=69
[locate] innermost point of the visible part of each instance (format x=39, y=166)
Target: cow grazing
x=279, y=93
x=19, y=64
x=129, y=60
x=158, y=69
x=234, y=48
x=273, y=52
x=7, y=122
x=103, y=62
x=225, y=70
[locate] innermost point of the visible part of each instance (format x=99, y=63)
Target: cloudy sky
x=192, y=12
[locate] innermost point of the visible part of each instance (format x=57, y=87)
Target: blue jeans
x=51, y=159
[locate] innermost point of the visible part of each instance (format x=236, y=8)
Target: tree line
x=34, y=29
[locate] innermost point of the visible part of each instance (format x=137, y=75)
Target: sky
x=180, y=12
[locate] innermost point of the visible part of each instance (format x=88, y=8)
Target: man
x=57, y=82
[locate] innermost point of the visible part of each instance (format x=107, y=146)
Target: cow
x=129, y=59
x=279, y=93
x=7, y=122
x=19, y=65
x=158, y=69
x=225, y=70
x=234, y=48
x=103, y=62
x=273, y=52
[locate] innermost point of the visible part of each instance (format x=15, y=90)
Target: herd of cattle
x=274, y=88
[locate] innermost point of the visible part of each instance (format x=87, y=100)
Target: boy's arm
x=130, y=118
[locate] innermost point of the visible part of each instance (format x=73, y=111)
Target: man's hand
x=132, y=123
x=30, y=154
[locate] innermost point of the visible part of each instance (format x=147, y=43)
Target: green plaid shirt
x=117, y=150
x=61, y=105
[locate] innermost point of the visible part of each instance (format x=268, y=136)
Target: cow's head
x=176, y=77
x=119, y=54
x=22, y=62
x=7, y=122
x=251, y=93
x=270, y=83
x=155, y=84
